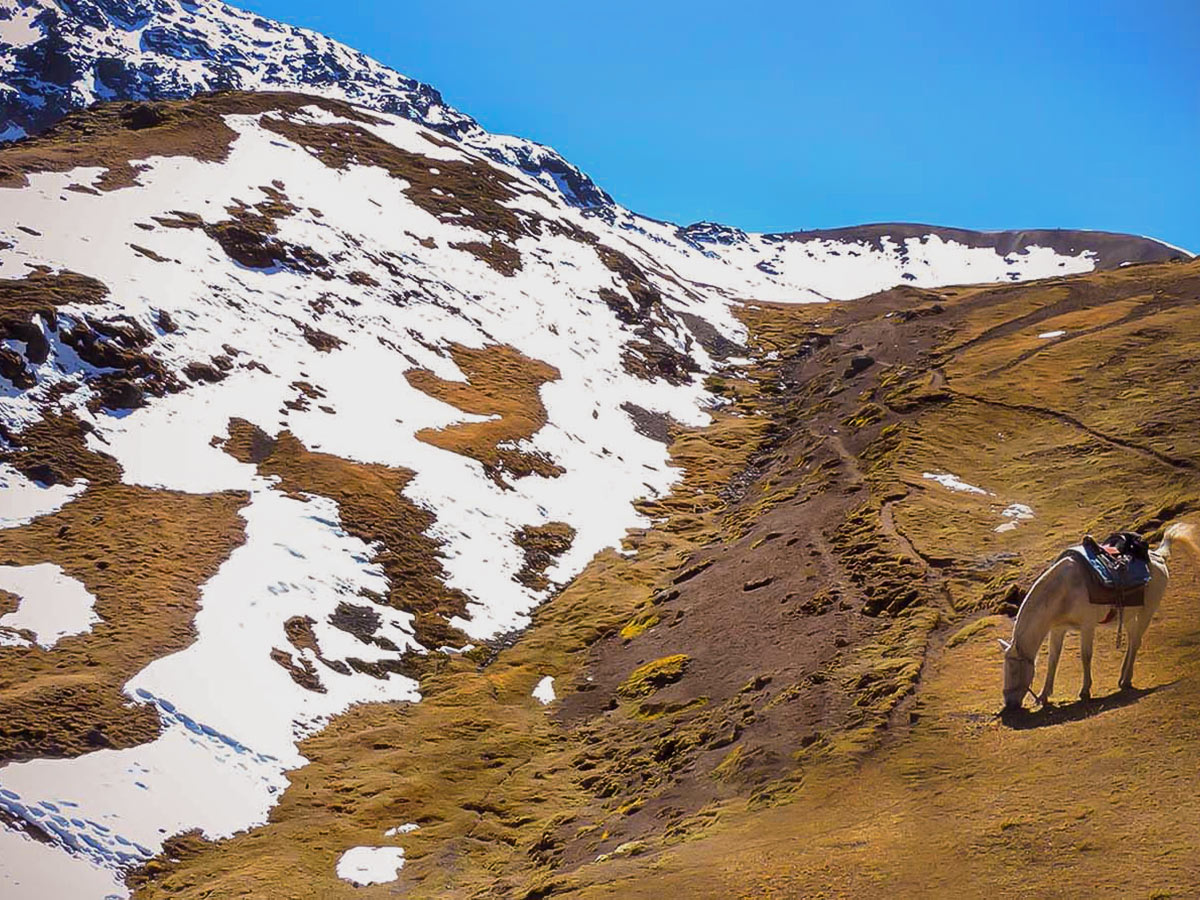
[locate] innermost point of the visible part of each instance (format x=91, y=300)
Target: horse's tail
x=1183, y=533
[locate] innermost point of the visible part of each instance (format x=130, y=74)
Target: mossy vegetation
x=646, y=679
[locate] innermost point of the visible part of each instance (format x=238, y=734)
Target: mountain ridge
x=70, y=54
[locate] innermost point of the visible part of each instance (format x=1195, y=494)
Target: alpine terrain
x=386, y=511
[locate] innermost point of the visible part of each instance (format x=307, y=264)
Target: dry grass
x=501, y=382
x=542, y=544
x=115, y=135
x=144, y=554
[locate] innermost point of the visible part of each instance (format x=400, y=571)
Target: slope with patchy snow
x=328, y=275
x=59, y=56
x=63, y=56
x=361, y=287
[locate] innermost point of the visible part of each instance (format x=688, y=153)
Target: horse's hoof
x=1044, y=701
x=1085, y=695
x=1125, y=685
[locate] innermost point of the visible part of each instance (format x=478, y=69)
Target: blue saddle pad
x=1128, y=573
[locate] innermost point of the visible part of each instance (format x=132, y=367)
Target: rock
x=629, y=848
x=859, y=363
x=137, y=116
x=122, y=394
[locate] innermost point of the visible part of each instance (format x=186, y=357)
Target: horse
x=1058, y=601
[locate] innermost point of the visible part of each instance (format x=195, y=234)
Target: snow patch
x=32, y=870
x=954, y=483
x=370, y=865
x=21, y=30
x=53, y=605
x=544, y=691
x=26, y=500
x=1015, y=513
x=1047, y=335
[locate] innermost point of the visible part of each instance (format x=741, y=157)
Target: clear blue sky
x=783, y=115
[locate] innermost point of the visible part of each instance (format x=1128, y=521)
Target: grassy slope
x=863, y=754
x=1097, y=796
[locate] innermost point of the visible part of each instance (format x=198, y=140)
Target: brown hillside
x=790, y=690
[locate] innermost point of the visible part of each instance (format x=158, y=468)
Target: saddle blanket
x=1120, y=568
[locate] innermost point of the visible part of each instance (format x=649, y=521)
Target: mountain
x=63, y=55
x=381, y=508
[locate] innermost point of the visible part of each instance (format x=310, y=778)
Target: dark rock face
x=859, y=363
x=176, y=44
x=77, y=52
x=710, y=233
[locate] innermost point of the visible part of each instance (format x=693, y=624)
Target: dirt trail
x=820, y=620
x=972, y=806
x=1179, y=463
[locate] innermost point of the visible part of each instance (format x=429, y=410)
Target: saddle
x=1119, y=566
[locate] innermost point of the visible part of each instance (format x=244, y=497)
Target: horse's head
x=1018, y=676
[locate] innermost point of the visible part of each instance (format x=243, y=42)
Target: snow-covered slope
x=59, y=55
x=843, y=264
x=302, y=287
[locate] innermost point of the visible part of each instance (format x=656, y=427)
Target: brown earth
x=143, y=554
x=790, y=689
x=115, y=135
x=502, y=383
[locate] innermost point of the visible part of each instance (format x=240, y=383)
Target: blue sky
x=778, y=116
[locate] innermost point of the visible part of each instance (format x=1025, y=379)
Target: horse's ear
x=1004, y=645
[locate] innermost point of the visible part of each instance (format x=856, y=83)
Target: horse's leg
x=1087, y=636
x=1056, y=641
x=1135, y=629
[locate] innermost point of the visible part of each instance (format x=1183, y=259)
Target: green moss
x=646, y=679
x=639, y=624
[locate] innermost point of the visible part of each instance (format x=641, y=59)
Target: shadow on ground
x=1059, y=714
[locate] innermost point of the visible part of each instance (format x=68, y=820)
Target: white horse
x=1058, y=602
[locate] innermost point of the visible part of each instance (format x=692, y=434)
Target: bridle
x=1020, y=658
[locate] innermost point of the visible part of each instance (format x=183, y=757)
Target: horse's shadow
x=1059, y=714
